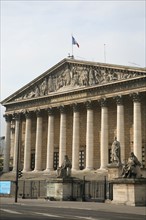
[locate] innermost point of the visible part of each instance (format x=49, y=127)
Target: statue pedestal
x=129, y=191
x=59, y=189
x=114, y=171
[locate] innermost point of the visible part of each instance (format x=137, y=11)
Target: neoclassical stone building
x=77, y=108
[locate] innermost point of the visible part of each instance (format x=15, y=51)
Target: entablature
x=82, y=95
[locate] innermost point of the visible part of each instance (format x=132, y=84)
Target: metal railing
x=83, y=190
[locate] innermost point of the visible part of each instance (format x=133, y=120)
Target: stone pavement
x=107, y=207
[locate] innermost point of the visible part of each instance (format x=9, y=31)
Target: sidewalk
x=107, y=207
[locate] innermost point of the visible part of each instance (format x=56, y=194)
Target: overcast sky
x=35, y=35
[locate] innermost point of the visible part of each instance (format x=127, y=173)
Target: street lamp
x=16, y=181
x=18, y=171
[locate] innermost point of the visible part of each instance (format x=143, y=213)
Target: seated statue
x=116, y=152
x=132, y=167
x=65, y=169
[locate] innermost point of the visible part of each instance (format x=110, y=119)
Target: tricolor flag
x=74, y=42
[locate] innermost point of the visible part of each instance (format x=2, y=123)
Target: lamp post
x=16, y=181
x=17, y=147
x=83, y=192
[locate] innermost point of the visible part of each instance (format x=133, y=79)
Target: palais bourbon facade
x=76, y=108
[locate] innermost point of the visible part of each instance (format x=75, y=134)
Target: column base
x=36, y=171
x=102, y=169
x=26, y=171
x=89, y=168
x=14, y=170
x=48, y=170
x=5, y=170
x=75, y=170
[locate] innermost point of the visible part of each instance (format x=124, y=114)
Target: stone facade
x=77, y=108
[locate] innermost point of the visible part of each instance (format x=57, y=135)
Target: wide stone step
x=41, y=175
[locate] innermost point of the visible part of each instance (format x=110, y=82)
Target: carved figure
x=43, y=87
x=85, y=76
x=81, y=78
x=60, y=82
x=75, y=79
x=51, y=84
x=67, y=77
x=116, y=152
x=103, y=75
x=65, y=169
x=97, y=76
x=132, y=167
x=37, y=92
x=31, y=94
x=91, y=77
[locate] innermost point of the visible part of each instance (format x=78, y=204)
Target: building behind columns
x=76, y=108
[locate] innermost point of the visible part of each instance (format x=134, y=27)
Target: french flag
x=74, y=42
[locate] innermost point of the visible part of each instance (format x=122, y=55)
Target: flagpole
x=105, y=53
x=72, y=51
x=72, y=46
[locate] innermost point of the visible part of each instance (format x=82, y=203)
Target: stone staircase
x=42, y=175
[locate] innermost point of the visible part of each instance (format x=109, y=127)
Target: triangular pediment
x=72, y=74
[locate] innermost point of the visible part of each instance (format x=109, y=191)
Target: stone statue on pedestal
x=116, y=152
x=65, y=169
x=132, y=168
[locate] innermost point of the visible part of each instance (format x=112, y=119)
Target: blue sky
x=35, y=35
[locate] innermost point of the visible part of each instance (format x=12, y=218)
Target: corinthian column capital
x=89, y=105
x=119, y=100
x=75, y=107
x=50, y=111
x=103, y=102
x=28, y=114
x=17, y=116
x=62, y=109
x=38, y=112
x=8, y=118
x=136, y=97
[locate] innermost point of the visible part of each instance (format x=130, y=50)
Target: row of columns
x=75, y=138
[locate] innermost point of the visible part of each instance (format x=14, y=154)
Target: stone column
x=27, y=144
x=8, y=119
x=120, y=126
x=16, y=141
x=50, y=141
x=62, y=141
x=137, y=127
x=89, y=137
x=38, y=145
x=104, y=134
x=75, y=138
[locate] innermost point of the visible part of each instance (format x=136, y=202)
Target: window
x=82, y=159
x=32, y=161
x=56, y=160
x=109, y=155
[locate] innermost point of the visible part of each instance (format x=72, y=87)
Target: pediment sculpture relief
x=73, y=77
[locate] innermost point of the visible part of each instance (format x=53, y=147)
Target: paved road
x=40, y=209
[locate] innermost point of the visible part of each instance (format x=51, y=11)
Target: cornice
x=105, y=65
